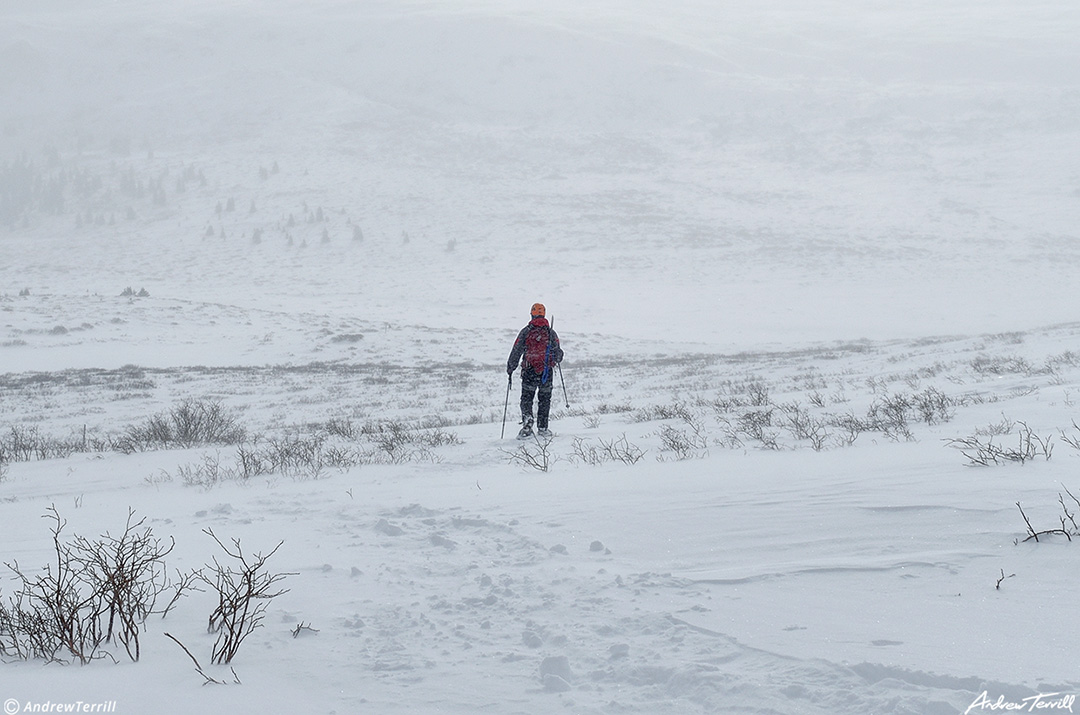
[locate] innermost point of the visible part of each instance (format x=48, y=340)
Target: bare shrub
x=616, y=408
x=1067, y=520
x=1073, y=440
x=130, y=573
x=341, y=457
x=891, y=416
x=1005, y=426
x=986, y=452
x=684, y=443
x=614, y=450
x=244, y=590
x=758, y=426
x=1001, y=365
x=56, y=614
x=730, y=435
x=20, y=444
x=757, y=393
x=1066, y=359
x=206, y=474
x=723, y=406
x=96, y=592
x=676, y=410
x=251, y=462
x=291, y=455
x=191, y=423
x=586, y=453
x=343, y=428
x=436, y=437
x=308, y=456
x=805, y=426
x=848, y=428
x=622, y=450
x=933, y=406
x=24, y=444
x=400, y=442
x=296, y=455
x=538, y=457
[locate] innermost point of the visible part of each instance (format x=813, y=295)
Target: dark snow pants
x=531, y=386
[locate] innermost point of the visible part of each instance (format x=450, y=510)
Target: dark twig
x=1032, y=534
x=301, y=627
x=194, y=660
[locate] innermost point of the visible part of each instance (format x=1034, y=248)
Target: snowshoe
x=544, y=433
x=526, y=428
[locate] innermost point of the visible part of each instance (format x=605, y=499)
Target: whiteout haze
x=796, y=252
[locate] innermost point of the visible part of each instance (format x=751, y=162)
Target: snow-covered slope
x=881, y=573
x=772, y=236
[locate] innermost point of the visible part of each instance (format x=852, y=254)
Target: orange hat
x=538, y=310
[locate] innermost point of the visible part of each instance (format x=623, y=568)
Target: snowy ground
x=755, y=227
x=852, y=579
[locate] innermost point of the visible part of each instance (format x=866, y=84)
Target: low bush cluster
x=750, y=417
x=206, y=423
x=96, y=595
x=604, y=451
x=96, y=592
x=985, y=451
x=337, y=445
x=192, y=423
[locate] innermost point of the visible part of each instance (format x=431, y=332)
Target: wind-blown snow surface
x=341, y=211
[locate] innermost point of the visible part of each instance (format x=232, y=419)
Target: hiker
x=537, y=349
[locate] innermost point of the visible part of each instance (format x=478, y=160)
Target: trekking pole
x=559, y=366
x=509, y=382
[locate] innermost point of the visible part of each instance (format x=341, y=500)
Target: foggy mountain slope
x=775, y=163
